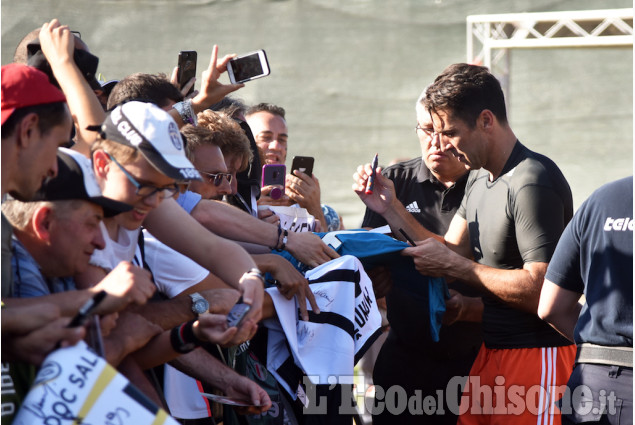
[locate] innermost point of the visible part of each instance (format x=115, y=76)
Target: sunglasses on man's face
x=217, y=178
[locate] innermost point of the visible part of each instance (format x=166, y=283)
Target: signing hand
x=383, y=191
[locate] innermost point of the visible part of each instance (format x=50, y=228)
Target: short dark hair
x=49, y=115
x=153, y=88
x=464, y=91
x=21, y=54
x=266, y=107
x=230, y=106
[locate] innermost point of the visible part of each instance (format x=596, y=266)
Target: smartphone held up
x=303, y=164
x=274, y=175
x=248, y=67
x=186, y=68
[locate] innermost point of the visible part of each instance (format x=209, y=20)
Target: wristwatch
x=199, y=304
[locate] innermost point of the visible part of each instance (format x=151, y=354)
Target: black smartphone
x=237, y=313
x=187, y=68
x=303, y=163
x=248, y=67
x=86, y=310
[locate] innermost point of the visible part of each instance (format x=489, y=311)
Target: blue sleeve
x=188, y=200
x=564, y=267
x=28, y=282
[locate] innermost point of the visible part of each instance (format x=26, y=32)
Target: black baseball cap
x=75, y=180
x=86, y=62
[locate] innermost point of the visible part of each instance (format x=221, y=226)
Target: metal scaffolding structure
x=497, y=34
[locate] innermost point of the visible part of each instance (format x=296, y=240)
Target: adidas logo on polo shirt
x=413, y=207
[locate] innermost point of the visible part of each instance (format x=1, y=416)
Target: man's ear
x=28, y=130
x=41, y=222
x=486, y=120
x=101, y=162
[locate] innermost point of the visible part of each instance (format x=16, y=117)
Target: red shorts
x=516, y=386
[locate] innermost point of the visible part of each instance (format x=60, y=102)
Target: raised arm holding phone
x=212, y=90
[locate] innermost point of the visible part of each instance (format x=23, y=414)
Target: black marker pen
x=405, y=235
x=371, y=180
x=86, y=310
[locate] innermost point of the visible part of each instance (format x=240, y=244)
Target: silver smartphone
x=248, y=67
x=237, y=313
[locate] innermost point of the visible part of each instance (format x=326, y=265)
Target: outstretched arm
x=232, y=223
x=170, y=224
x=290, y=281
x=58, y=45
x=560, y=308
x=30, y=333
x=519, y=288
x=210, y=328
x=223, y=377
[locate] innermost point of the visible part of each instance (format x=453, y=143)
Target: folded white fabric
x=326, y=347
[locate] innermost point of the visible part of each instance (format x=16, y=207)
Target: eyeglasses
x=217, y=178
x=147, y=190
x=428, y=132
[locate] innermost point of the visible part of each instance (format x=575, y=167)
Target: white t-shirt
x=183, y=395
x=123, y=249
x=173, y=272
x=330, y=344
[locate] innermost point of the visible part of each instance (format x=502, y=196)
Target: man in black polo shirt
x=430, y=188
x=595, y=257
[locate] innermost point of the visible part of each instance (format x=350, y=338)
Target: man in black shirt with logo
x=430, y=188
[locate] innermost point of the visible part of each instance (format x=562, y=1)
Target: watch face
x=200, y=306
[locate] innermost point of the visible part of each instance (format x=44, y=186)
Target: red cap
x=24, y=86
